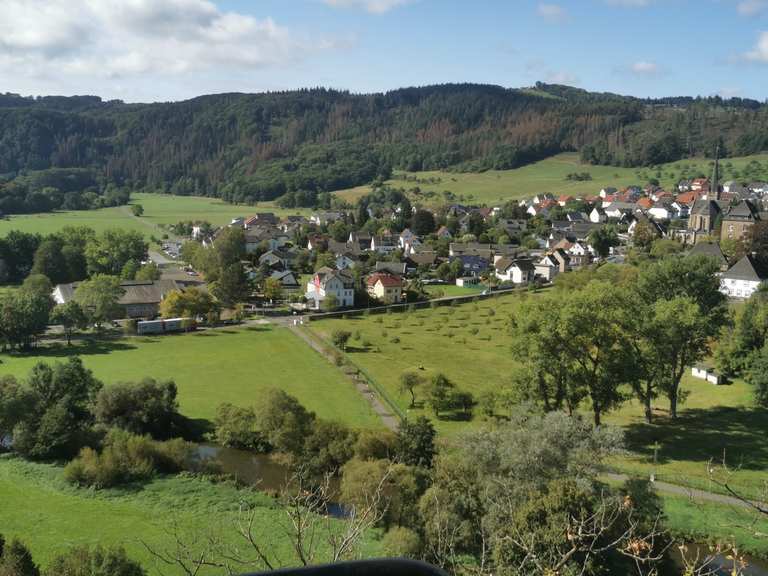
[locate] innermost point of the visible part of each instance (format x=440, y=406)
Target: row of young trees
x=619, y=329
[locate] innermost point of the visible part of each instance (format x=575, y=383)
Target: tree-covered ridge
x=250, y=147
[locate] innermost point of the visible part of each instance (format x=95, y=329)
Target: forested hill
x=248, y=147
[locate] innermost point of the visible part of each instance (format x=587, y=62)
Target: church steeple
x=714, y=186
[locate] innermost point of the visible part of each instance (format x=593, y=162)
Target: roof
x=706, y=208
x=744, y=210
x=391, y=267
x=709, y=249
x=746, y=269
x=387, y=280
x=135, y=291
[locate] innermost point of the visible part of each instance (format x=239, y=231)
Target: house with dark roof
x=140, y=299
x=703, y=216
x=473, y=265
x=738, y=221
x=710, y=250
x=286, y=278
x=329, y=282
x=743, y=278
x=517, y=271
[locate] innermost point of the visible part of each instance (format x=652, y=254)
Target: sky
x=161, y=50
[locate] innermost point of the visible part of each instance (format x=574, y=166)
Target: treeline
x=58, y=188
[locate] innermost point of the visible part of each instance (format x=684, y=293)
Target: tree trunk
x=413, y=398
x=647, y=404
x=673, y=402
x=597, y=417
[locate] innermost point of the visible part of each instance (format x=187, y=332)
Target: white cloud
x=645, y=68
x=730, y=92
x=751, y=7
x=561, y=77
x=552, y=12
x=108, y=39
x=372, y=6
x=760, y=52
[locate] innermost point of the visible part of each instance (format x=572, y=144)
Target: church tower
x=715, y=184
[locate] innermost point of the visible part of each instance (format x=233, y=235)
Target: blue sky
x=141, y=50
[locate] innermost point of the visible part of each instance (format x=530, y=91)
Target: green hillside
x=497, y=186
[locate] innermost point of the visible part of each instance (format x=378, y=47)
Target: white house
x=598, y=215
x=547, y=268
x=743, y=278
x=519, y=271
x=329, y=282
x=383, y=244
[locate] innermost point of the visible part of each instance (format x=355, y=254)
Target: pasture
x=497, y=186
x=50, y=516
x=470, y=344
x=215, y=366
x=160, y=210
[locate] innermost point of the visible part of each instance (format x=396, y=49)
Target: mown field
x=497, y=186
x=215, y=366
x=39, y=507
x=159, y=209
x=470, y=344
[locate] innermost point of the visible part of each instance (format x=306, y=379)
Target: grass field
x=472, y=348
x=159, y=209
x=549, y=175
x=39, y=507
x=217, y=366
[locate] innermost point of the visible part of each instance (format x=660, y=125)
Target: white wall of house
x=738, y=289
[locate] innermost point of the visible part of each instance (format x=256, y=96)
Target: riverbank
x=39, y=507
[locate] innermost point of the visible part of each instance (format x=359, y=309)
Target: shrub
x=83, y=561
x=395, y=340
x=128, y=457
x=237, y=427
x=401, y=542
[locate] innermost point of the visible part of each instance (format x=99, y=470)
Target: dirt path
x=693, y=493
x=380, y=409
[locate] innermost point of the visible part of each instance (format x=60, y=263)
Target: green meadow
x=159, y=210
x=498, y=186
x=215, y=366
x=470, y=344
x=50, y=516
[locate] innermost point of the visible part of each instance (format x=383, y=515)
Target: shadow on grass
x=88, y=348
x=738, y=434
x=259, y=329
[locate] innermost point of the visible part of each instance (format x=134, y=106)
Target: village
x=331, y=261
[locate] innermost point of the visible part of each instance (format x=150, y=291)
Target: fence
x=371, y=380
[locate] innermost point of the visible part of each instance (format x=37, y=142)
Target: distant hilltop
x=295, y=145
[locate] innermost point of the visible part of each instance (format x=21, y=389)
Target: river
x=262, y=471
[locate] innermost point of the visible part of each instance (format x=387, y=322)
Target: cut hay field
x=470, y=344
x=215, y=366
x=40, y=508
x=498, y=186
x=159, y=210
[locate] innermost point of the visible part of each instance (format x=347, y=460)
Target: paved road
x=160, y=259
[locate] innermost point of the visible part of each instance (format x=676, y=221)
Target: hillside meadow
x=470, y=344
x=159, y=210
x=215, y=366
x=498, y=186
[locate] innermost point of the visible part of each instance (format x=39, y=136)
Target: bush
x=237, y=427
x=146, y=407
x=401, y=542
x=128, y=457
x=395, y=340
x=83, y=561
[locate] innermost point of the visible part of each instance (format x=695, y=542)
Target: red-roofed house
x=564, y=199
x=386, y=288
x=645, y=203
